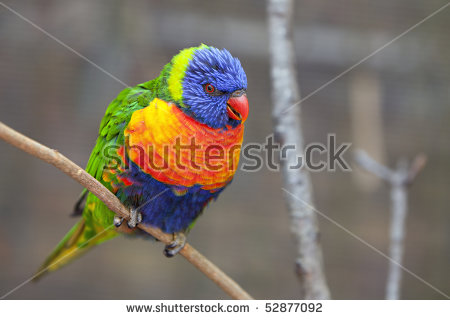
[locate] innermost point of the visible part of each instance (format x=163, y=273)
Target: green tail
x=77, y=241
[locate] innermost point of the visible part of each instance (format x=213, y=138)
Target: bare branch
x=399, y=180
x=56, y=159
x=309, y=264
x=370, y=165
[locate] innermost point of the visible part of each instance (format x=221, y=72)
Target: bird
x=166, y=148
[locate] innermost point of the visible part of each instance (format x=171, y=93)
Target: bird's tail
x=77, y=241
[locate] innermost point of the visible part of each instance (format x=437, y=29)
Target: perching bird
x=166, y=148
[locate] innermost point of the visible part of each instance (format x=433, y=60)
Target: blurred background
x=394, y=105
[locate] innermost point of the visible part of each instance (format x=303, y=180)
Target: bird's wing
x=111, y=136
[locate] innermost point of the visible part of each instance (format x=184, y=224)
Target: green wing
x=96, y=225
x=111, y=134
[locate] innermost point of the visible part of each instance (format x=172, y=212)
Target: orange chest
x=176, y=149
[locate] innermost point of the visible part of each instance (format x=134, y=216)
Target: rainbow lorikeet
x=166, y=148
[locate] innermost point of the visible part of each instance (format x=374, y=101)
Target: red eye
x=209, y=88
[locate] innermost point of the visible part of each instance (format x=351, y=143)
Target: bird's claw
x=135, y=219
x=118, y=221
x=179, y=240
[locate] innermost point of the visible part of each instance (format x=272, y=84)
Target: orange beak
x=237, y=107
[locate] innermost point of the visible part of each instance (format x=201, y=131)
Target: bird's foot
x=179, y=240
x=135, y=218
x=118, y=220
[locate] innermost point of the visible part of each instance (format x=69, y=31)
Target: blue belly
x=160, y=205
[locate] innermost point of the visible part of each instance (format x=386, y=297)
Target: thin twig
x=399, y=180
x=416, y=167
x=56, y=159
x=285, y=94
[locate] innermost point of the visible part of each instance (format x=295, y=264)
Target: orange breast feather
x=178, y=150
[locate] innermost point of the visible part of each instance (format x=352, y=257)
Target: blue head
x=210, y=85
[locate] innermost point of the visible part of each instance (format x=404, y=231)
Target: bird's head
x=209, y=85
